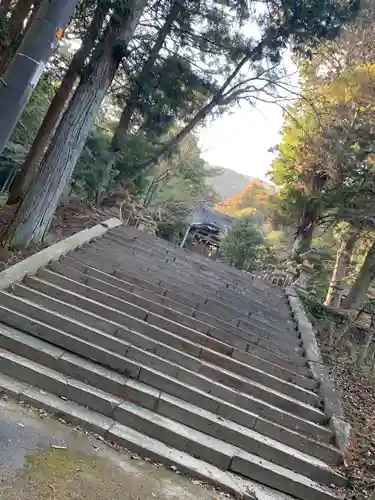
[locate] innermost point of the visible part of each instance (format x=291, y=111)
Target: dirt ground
x=358, y=398
x=69, y=218
x=43, y=459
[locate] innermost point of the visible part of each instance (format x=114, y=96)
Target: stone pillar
x=306, y=269
x=336, y=294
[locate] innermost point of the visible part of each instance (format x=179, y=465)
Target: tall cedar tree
x=62, y=95
x=35, y=214
x=287, y=21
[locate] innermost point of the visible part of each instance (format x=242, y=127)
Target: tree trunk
x=305, y=232
x=135, y=95
x=62, y=95
x=362, y=282
x=4, y=6
x=15, y=30
x=35, y=214
x=343, y=259
x=364, y=348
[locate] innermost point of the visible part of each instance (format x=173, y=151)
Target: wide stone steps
x=215, y=339
x=198, y=372
x=201, y=360
x=84, y=370
x=237, y=328
x=72, y=280
x=171, y=265
x=242, y=283
x=257, y=311
x=273, y=340
x=161, y=416
x=212, y=270
x=148, y=261
x=212, y=274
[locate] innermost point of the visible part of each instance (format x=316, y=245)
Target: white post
x=185, y=236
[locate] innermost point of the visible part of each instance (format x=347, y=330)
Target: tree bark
x=364, y=348
x=135, y=95
x=30, y=166
x=35, y=213
x=305, y=232
x=362, y=282
x=15, y=30
x=343, y=259
x=4, y=6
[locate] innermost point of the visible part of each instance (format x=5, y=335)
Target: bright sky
x=241, y=140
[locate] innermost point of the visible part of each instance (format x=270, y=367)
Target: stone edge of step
x=155, y=450
x=342, y=430
x=31, y=264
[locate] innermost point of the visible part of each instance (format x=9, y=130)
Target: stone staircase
x=176, y=357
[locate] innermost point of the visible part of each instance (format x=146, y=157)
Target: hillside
x=256, y=195
x=228, y=182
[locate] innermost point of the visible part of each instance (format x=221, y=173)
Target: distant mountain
x=228, y=182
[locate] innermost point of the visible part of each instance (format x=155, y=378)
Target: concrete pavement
x=41, y=458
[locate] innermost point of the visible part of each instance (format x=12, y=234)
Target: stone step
x=51, y=356
x=137, y=392
x=212, y=276
x=214, y=338
x=148, y=255
x=103, y=305
x=168, y=360
x=77, y=282
x=172, y=275
x=194, y=292
x=63, y=287
x=151, y=448
x=258, y=308
x=130, y=234
x=234, y=318
x=233, y=306
x=182, y=383
x=135, y=441
x=276, y=341
x=175, y=322
x=99, y=261
x=246, y=280
x=216, y=268
x=162, y=350
x=216, y=451
x=238, y=332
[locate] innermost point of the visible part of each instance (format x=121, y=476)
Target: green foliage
x=313, y=306
x=92, y=164
x=174, y=91
x=205, y=64
x=245, y=247
x=325, y=162
x=182, y=178
x=16, y=150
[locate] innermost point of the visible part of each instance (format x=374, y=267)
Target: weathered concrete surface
x=331, y=396
x=30, y=265
x=40, y=459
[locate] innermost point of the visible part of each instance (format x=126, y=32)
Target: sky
x=241, y=140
